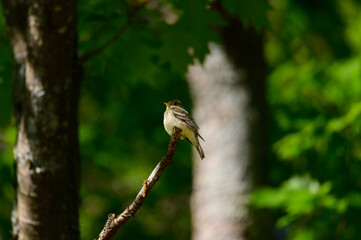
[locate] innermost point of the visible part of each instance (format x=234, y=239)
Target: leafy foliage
x=314, y=92
x=249, y=11
x=313, y=49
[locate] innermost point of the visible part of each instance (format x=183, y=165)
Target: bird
x=176, y=116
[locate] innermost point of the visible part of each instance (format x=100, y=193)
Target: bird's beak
x=167, y=104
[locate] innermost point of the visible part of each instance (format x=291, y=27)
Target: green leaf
x=188, y=38
x=249, y=11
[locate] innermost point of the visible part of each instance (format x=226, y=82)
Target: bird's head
x=173, y=103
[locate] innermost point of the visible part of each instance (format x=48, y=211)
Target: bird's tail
x=200, y=150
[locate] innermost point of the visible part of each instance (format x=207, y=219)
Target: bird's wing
x=183, y=115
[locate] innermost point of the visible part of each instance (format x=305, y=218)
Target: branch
x=127, y=23
x=115, y=222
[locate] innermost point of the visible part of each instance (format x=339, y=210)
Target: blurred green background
x=313, y=50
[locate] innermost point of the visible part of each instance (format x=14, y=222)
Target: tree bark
x=230, y=107
x=46, y=91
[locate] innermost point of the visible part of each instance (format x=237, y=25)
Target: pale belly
x=171, y=121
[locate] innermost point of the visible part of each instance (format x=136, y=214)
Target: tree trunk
x=230, y=107
x=46, y=91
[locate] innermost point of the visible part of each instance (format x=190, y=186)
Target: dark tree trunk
x=244, y=47
x=46, y=91
x=230, y=107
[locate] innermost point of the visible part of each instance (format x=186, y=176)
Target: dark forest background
x=313, y=91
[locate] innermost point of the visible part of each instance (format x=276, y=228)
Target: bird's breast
x=168, y=122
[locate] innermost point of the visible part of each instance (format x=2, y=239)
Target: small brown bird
x=176, y=116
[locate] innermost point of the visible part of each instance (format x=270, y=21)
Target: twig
x=127, y=23
x=114, y=223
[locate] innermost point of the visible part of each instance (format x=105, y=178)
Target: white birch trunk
x=221, y=183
